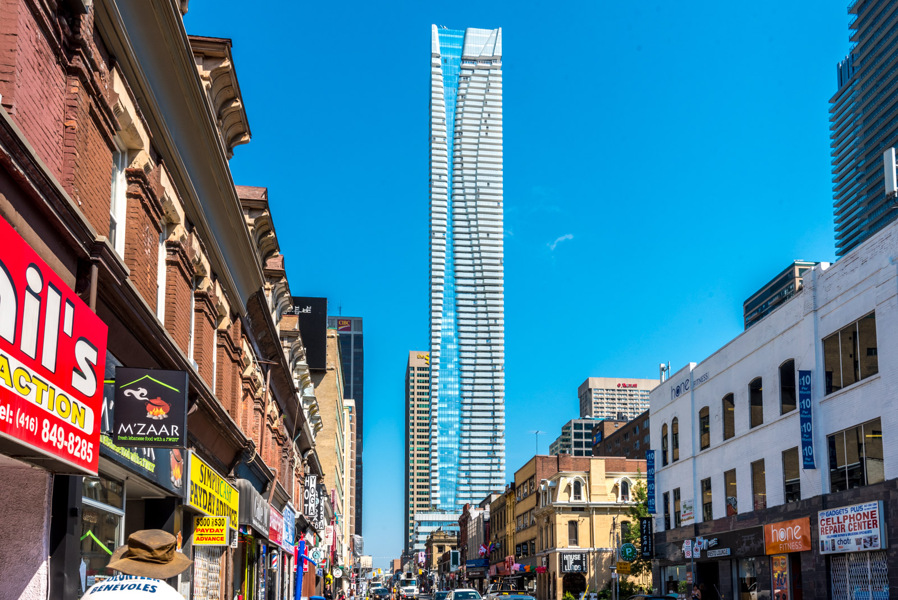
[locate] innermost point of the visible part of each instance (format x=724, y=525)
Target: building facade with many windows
x=788, y=428
x=417, y=440
x=862, y=124
x=352, y=358
x=575, y=438
x=467, y=315
x=614, y=397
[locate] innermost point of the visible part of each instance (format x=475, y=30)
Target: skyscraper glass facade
x=864, y=123
x=352, y=359
x=467, y=297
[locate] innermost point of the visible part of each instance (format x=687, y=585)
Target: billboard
x=312, y=316
x=52, y=362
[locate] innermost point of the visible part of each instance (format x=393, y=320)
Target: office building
x=775, y=292
x=467, y=316
x=417, y=440
x=862, y=124
x=575, y=438
x=622, y=438
x=352, y=355
x=789, y=427
x=614, y=397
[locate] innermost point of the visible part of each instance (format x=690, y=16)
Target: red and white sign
x=855, y=528
x=276, y=527
x=52, y=361
x=626, y=385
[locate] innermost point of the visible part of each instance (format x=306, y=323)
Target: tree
x=640, y=567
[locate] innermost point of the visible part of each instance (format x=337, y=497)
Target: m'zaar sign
x=150, y=408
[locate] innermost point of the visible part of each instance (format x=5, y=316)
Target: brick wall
x=227, y=385
x=203, y=332
x=178, y=288
x=142, y=229
x=32, y=80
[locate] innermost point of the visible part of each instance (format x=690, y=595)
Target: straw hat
x=150, y=553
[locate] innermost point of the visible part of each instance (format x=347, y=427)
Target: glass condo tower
x=467, y=316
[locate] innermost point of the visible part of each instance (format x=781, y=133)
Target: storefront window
x=674, y=579
x=101, y=528
x=747, y=584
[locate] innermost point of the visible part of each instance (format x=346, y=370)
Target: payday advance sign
x=210, y=531
x=210, y=493
x=855, y=528
x=52, y=360
x=150, y=408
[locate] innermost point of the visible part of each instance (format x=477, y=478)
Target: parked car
x=441, y=595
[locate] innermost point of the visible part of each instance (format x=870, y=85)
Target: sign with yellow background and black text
x=210, y=493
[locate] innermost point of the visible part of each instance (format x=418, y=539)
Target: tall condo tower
x=862, y=124
x=467, y=315
x=417, y=442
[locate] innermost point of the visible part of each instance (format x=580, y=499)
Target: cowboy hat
x=150, y=553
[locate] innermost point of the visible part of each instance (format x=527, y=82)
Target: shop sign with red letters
x=52, y=360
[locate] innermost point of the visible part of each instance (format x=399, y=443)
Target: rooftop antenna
x=537, y=432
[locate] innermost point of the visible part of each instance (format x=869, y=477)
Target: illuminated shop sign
x=52, y=360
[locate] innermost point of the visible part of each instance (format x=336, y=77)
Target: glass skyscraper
x=467, y=316
x=864, y=123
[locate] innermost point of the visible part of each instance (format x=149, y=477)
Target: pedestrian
x=696, y=592
x=149, y=556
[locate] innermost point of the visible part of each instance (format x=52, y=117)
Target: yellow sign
x=210, y=493
x=623, y=568
x=210, y=531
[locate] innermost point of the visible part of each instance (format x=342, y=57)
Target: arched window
x=756, y=402
x=674, y=440
x=578, y=491
x=787, y=387
x=729, y=416
x=664, y=445
x=704, y=427
x=624, y=490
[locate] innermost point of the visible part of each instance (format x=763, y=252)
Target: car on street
x=440, y=595
x=502, y=590
x=380, y=593
x=464, y=594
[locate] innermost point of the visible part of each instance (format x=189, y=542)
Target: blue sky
x=660, y=166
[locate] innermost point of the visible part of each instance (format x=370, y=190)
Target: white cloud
x=553, y=245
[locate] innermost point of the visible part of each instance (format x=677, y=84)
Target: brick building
x=622, y=438
x=115, y=132
x=791, y=426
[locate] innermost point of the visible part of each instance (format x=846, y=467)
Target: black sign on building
x=150, y=408
x=312, y=315
x=646, y=538
x=573, y=562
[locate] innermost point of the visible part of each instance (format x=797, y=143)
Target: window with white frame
x=118, y=201
x=160, y=275
x=578, y=491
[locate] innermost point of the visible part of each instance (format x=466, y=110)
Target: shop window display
x=752, y=578
x=101, y=528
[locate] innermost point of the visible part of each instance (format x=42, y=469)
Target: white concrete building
x=727, y=433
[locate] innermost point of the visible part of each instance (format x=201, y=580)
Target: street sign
x=687, y=548
x=338, y=572
x=623, y=568
x=628, y=552
x=689, y=577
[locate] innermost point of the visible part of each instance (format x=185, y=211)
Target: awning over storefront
x=253, y=509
